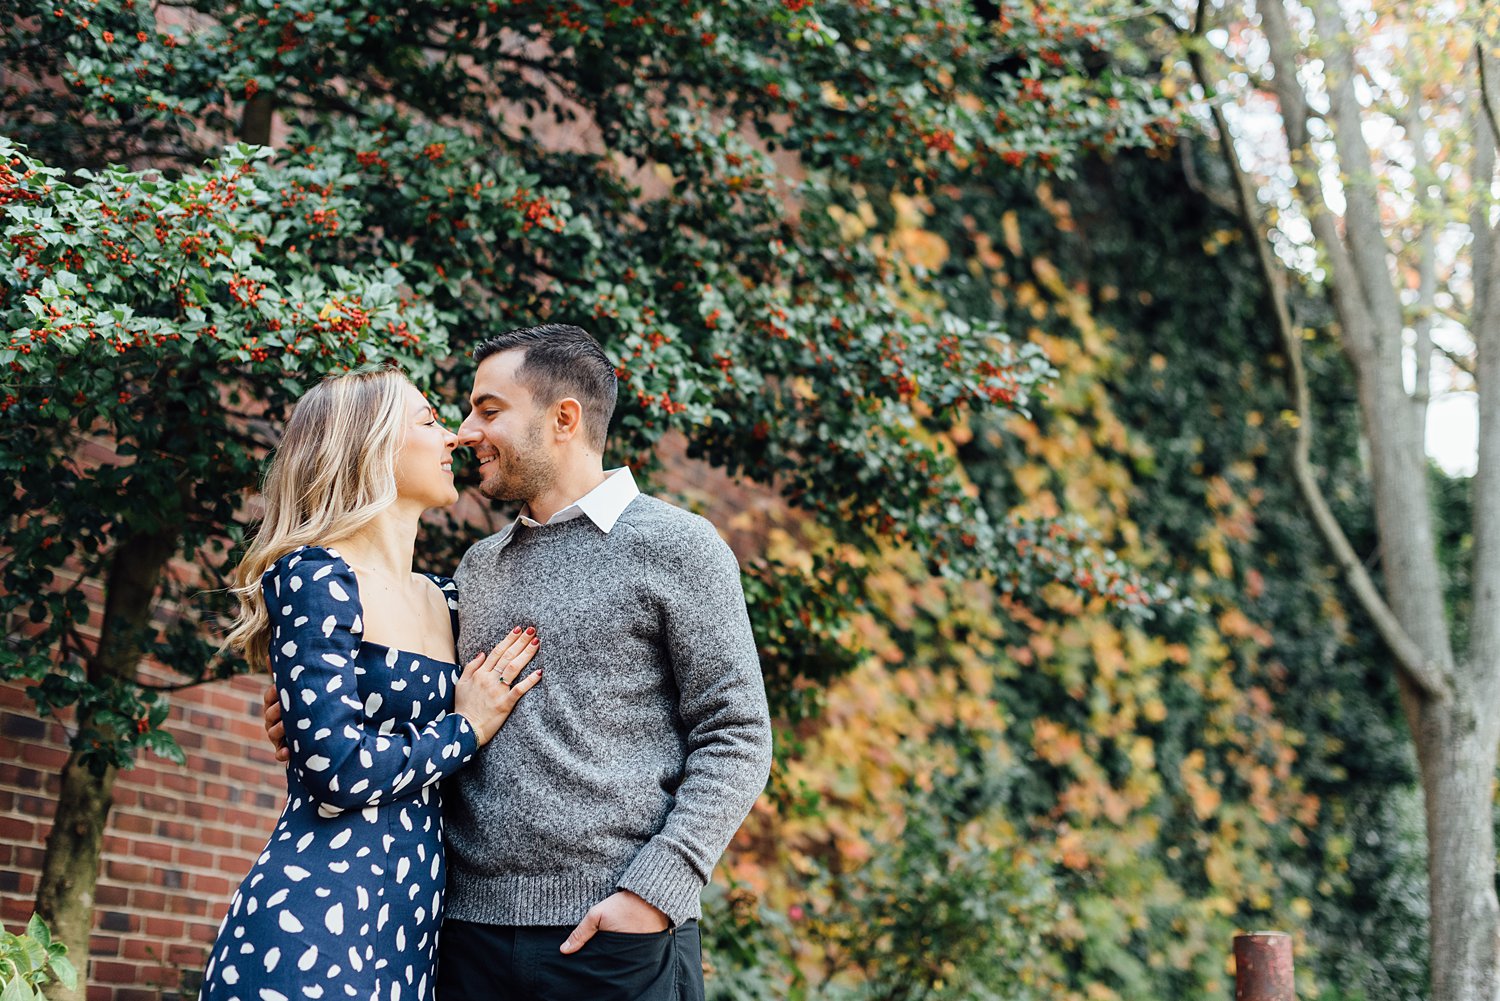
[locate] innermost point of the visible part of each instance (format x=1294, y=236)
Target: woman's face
x=424, y=463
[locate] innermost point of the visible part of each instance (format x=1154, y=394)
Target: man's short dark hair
x=560, y=361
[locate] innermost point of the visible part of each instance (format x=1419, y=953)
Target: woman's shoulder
x=447, y=585
x=318, y=556
x=312, y=564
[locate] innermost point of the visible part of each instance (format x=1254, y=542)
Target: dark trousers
x=506, y=963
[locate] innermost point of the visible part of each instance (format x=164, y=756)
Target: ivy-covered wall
x=1068, y=803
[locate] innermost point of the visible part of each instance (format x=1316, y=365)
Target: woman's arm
x=338, y=754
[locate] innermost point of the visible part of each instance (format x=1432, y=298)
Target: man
x=580, y=839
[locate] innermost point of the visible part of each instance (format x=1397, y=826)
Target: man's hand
x=275, y=731
x=622, y=911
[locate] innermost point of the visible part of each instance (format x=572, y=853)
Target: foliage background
x=1133, y=792
x=994, y=782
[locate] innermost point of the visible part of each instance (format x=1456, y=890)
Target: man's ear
x=569, y=419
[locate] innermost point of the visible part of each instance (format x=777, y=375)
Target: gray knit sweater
x=638, y=756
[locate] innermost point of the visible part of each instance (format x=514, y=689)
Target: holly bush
x=689, y=182
x=157, y=316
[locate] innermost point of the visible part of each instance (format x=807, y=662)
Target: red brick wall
x=178, y=843
x=181, y=838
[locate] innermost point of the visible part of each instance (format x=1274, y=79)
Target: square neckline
x=363, y=642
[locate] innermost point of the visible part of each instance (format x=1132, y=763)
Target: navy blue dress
x=346, y=900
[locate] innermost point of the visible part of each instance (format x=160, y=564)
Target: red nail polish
x=530, y=630
x=515, y=630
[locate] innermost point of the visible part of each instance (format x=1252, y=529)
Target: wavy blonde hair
x=333, y=472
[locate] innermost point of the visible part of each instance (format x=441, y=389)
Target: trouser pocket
x=614, y=966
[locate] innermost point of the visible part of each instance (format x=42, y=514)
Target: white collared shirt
x=602, y=505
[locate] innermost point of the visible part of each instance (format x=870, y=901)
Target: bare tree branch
x=1426, y=262
x=1458, y=361
x=1366, y=239
x=1195, y=183
x=1485, y=138
x=178, y=686
x=1484, y=646
x=1428, y=677
x=1295, y=115
x=1484, y=91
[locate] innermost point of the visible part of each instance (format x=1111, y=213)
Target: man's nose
x=468, y=434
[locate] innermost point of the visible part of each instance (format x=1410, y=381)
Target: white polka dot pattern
x=352, y=881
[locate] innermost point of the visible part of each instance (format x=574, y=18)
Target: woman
x=346, y=899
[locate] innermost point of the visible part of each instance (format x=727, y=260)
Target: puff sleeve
x=341, y=756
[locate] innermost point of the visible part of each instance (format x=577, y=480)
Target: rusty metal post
x=1263, y=967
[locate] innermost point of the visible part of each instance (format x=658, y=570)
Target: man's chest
x=568, y=602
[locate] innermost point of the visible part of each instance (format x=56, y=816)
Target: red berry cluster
x=246, y=291
x=534, y=212
x=663, y=402
x=939, y=140
x=998, y=383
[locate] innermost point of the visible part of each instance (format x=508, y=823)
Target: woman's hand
x=488, y=690
x=275, y=729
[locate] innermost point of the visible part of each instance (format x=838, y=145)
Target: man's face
x=508, y=432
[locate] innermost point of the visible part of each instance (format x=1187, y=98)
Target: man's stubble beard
x=525, y=473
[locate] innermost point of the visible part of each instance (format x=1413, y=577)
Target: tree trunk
x=1453, y=709
x=255, y=122
x=1454, y=732
x=1457, y=759
x=70, y=870
x=65, y=898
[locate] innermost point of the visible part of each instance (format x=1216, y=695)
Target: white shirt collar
x=602, y=505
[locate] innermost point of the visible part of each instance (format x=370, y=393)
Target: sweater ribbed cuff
x=660, y=876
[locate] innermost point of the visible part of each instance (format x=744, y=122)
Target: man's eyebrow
x=478, y=401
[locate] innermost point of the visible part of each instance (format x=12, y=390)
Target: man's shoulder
x=658, y=520
x=476, y=554
x=660, y=530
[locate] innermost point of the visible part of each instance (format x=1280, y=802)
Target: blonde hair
x=333, y=472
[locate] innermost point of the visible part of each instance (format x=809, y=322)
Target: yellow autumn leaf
x=1010, y=227
x=1070, y=850
x=922, y=247
x=1051, y=279
x=1030, y=479
x=851, y=226
x=1205, y=798
x=1221, y=871
x=1219, y=560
